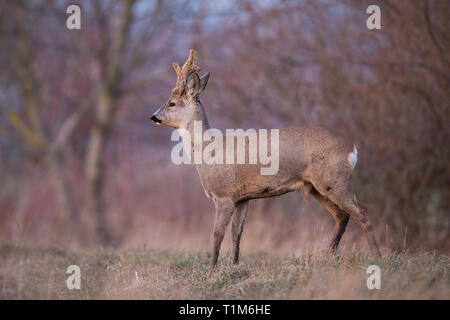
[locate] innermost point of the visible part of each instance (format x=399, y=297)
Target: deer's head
x=183, y=104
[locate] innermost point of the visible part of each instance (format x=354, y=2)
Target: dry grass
x=142, y=273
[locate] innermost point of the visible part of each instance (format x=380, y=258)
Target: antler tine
x=189, y=66
x=191, y=62
x=177, y=68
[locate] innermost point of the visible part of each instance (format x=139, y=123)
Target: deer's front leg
x=224, y=211
x=237, y=226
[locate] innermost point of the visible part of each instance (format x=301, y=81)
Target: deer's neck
x=199, y=116
x=193, y=134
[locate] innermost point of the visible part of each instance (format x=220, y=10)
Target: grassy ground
x=142, y=273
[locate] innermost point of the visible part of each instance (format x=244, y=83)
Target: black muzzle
x=155, y=119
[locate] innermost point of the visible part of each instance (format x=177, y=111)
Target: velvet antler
x=189, y=66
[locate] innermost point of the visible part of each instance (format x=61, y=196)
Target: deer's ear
x=192, y=84
x=204, y=81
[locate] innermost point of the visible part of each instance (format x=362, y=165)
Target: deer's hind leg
x=346, y=200
x=340, y=216
x=237, y=226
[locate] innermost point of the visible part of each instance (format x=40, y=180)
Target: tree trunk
x=103, y=126
x=95, y=169
x=65, y=196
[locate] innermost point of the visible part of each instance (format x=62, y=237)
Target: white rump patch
x=353, y=157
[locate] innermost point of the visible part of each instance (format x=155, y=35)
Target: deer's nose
x=155, y=119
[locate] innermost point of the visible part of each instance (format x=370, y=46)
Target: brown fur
x=312, y=160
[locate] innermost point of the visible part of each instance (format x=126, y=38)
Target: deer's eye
x=171, y=104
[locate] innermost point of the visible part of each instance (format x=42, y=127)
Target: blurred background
x=81, y=164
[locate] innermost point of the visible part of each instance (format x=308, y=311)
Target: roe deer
x=311, y=160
